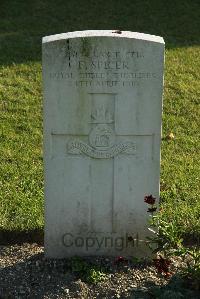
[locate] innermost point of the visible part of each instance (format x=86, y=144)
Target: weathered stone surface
x=102, y=129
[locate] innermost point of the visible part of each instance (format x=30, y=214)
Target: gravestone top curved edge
x=103, y=33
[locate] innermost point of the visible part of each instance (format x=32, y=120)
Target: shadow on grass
x=19, y=237
x=23, y=23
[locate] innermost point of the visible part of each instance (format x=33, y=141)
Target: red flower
x=162, y=265
x=120, y=260
x=149, y=199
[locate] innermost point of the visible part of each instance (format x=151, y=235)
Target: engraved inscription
x=103, y=68
x=95, y=53
x=104, y=75
x=102, y=65
x=104, y=79
x=101, y=115
x=77, y=147
x=102, y=135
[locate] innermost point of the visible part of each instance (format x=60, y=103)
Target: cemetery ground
x=25, y=272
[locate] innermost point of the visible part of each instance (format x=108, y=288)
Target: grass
x=23, y=23
x=21, y=153
x=180, y=179
x=88, y=272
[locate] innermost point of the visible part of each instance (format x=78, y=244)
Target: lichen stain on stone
x=85, y=47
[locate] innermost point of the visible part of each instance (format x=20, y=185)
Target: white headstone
x=102, y=131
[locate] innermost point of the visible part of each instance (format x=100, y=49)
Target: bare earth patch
x=25, y=273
